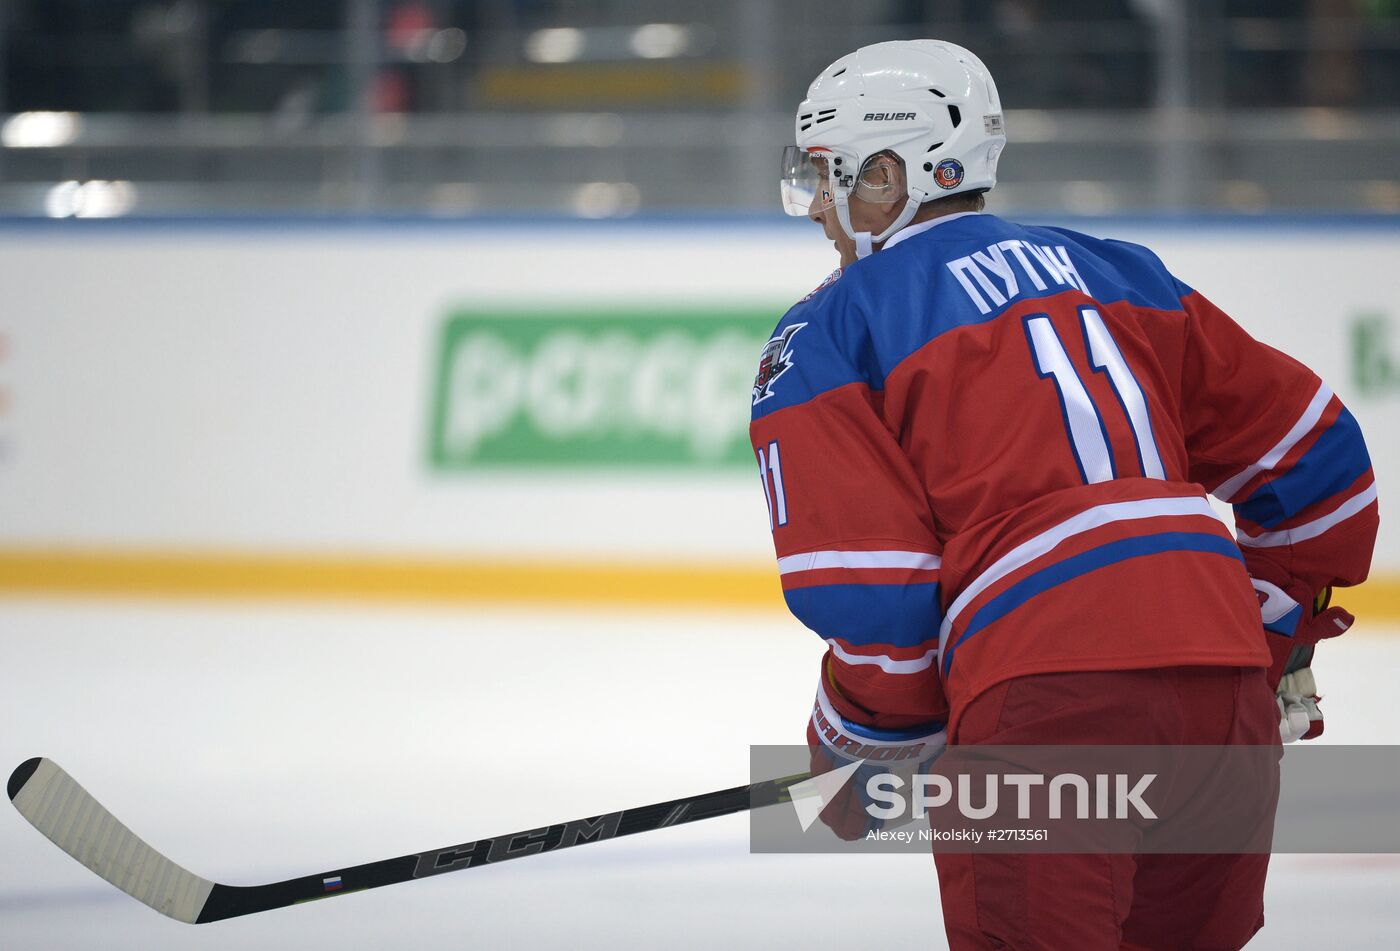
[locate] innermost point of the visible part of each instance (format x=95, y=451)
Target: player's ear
x=899, y=181
x=883, y=181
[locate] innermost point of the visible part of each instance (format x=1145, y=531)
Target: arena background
x=373, y=469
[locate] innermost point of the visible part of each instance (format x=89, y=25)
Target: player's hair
x=966, y=201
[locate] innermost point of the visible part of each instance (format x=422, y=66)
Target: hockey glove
x=837, y=742
x=1298, y=715
x=1295, y=629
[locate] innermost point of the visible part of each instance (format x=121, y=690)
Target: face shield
x=805, y=185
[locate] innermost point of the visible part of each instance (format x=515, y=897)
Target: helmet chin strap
x=865, y=241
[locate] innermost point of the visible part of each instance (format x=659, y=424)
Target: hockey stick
x=66, y=813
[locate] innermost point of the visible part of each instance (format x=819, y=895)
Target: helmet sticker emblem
x=948, y=173
x=775, y=360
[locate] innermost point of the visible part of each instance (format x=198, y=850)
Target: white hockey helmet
x=931, y=103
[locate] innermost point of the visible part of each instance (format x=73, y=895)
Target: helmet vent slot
x=838, y=72
x=938, y=94
x=935, y=147
x=955, y=114
x=826, y=118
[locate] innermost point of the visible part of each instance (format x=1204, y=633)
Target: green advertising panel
x=633, y=388
x=1375, y=365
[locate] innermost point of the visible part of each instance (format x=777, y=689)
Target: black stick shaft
x=231, y=901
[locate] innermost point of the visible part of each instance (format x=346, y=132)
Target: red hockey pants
x=1112, y=902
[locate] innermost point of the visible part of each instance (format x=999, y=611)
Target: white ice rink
x=253, y=743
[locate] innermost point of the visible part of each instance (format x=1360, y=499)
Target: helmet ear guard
x=913, y=195
x=882, y=165
x=865, y=241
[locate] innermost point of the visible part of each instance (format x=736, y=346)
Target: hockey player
x=986, y=450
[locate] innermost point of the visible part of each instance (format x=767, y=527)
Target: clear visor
x=805, y=186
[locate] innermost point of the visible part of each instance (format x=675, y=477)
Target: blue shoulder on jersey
x=971, y=269
x=1121, y=270
x=965, y=271
x=820, y=344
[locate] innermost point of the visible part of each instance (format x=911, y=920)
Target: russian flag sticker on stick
x=331, y=883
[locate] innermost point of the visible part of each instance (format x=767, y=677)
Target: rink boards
x=499, y=411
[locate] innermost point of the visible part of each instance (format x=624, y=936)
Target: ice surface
x=253, y=743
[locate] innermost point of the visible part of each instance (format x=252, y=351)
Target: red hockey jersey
x=986, y=451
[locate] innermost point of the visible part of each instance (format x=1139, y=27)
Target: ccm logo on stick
x=889, y=116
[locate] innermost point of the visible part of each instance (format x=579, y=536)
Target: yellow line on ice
x=193, y=574
x=1378, y=599
x=417, y=579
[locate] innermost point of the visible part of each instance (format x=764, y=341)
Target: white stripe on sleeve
x=1227, y=489
x=817, y=560
x=1301, y=533
x=886, y=663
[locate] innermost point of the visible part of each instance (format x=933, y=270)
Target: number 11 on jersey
x=1088, y=435
x=770, y=467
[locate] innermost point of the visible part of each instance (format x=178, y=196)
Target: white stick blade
x=78, y=824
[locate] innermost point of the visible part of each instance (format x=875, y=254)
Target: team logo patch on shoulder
x=775, y=360
x=948, y=173
x=831, y=279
